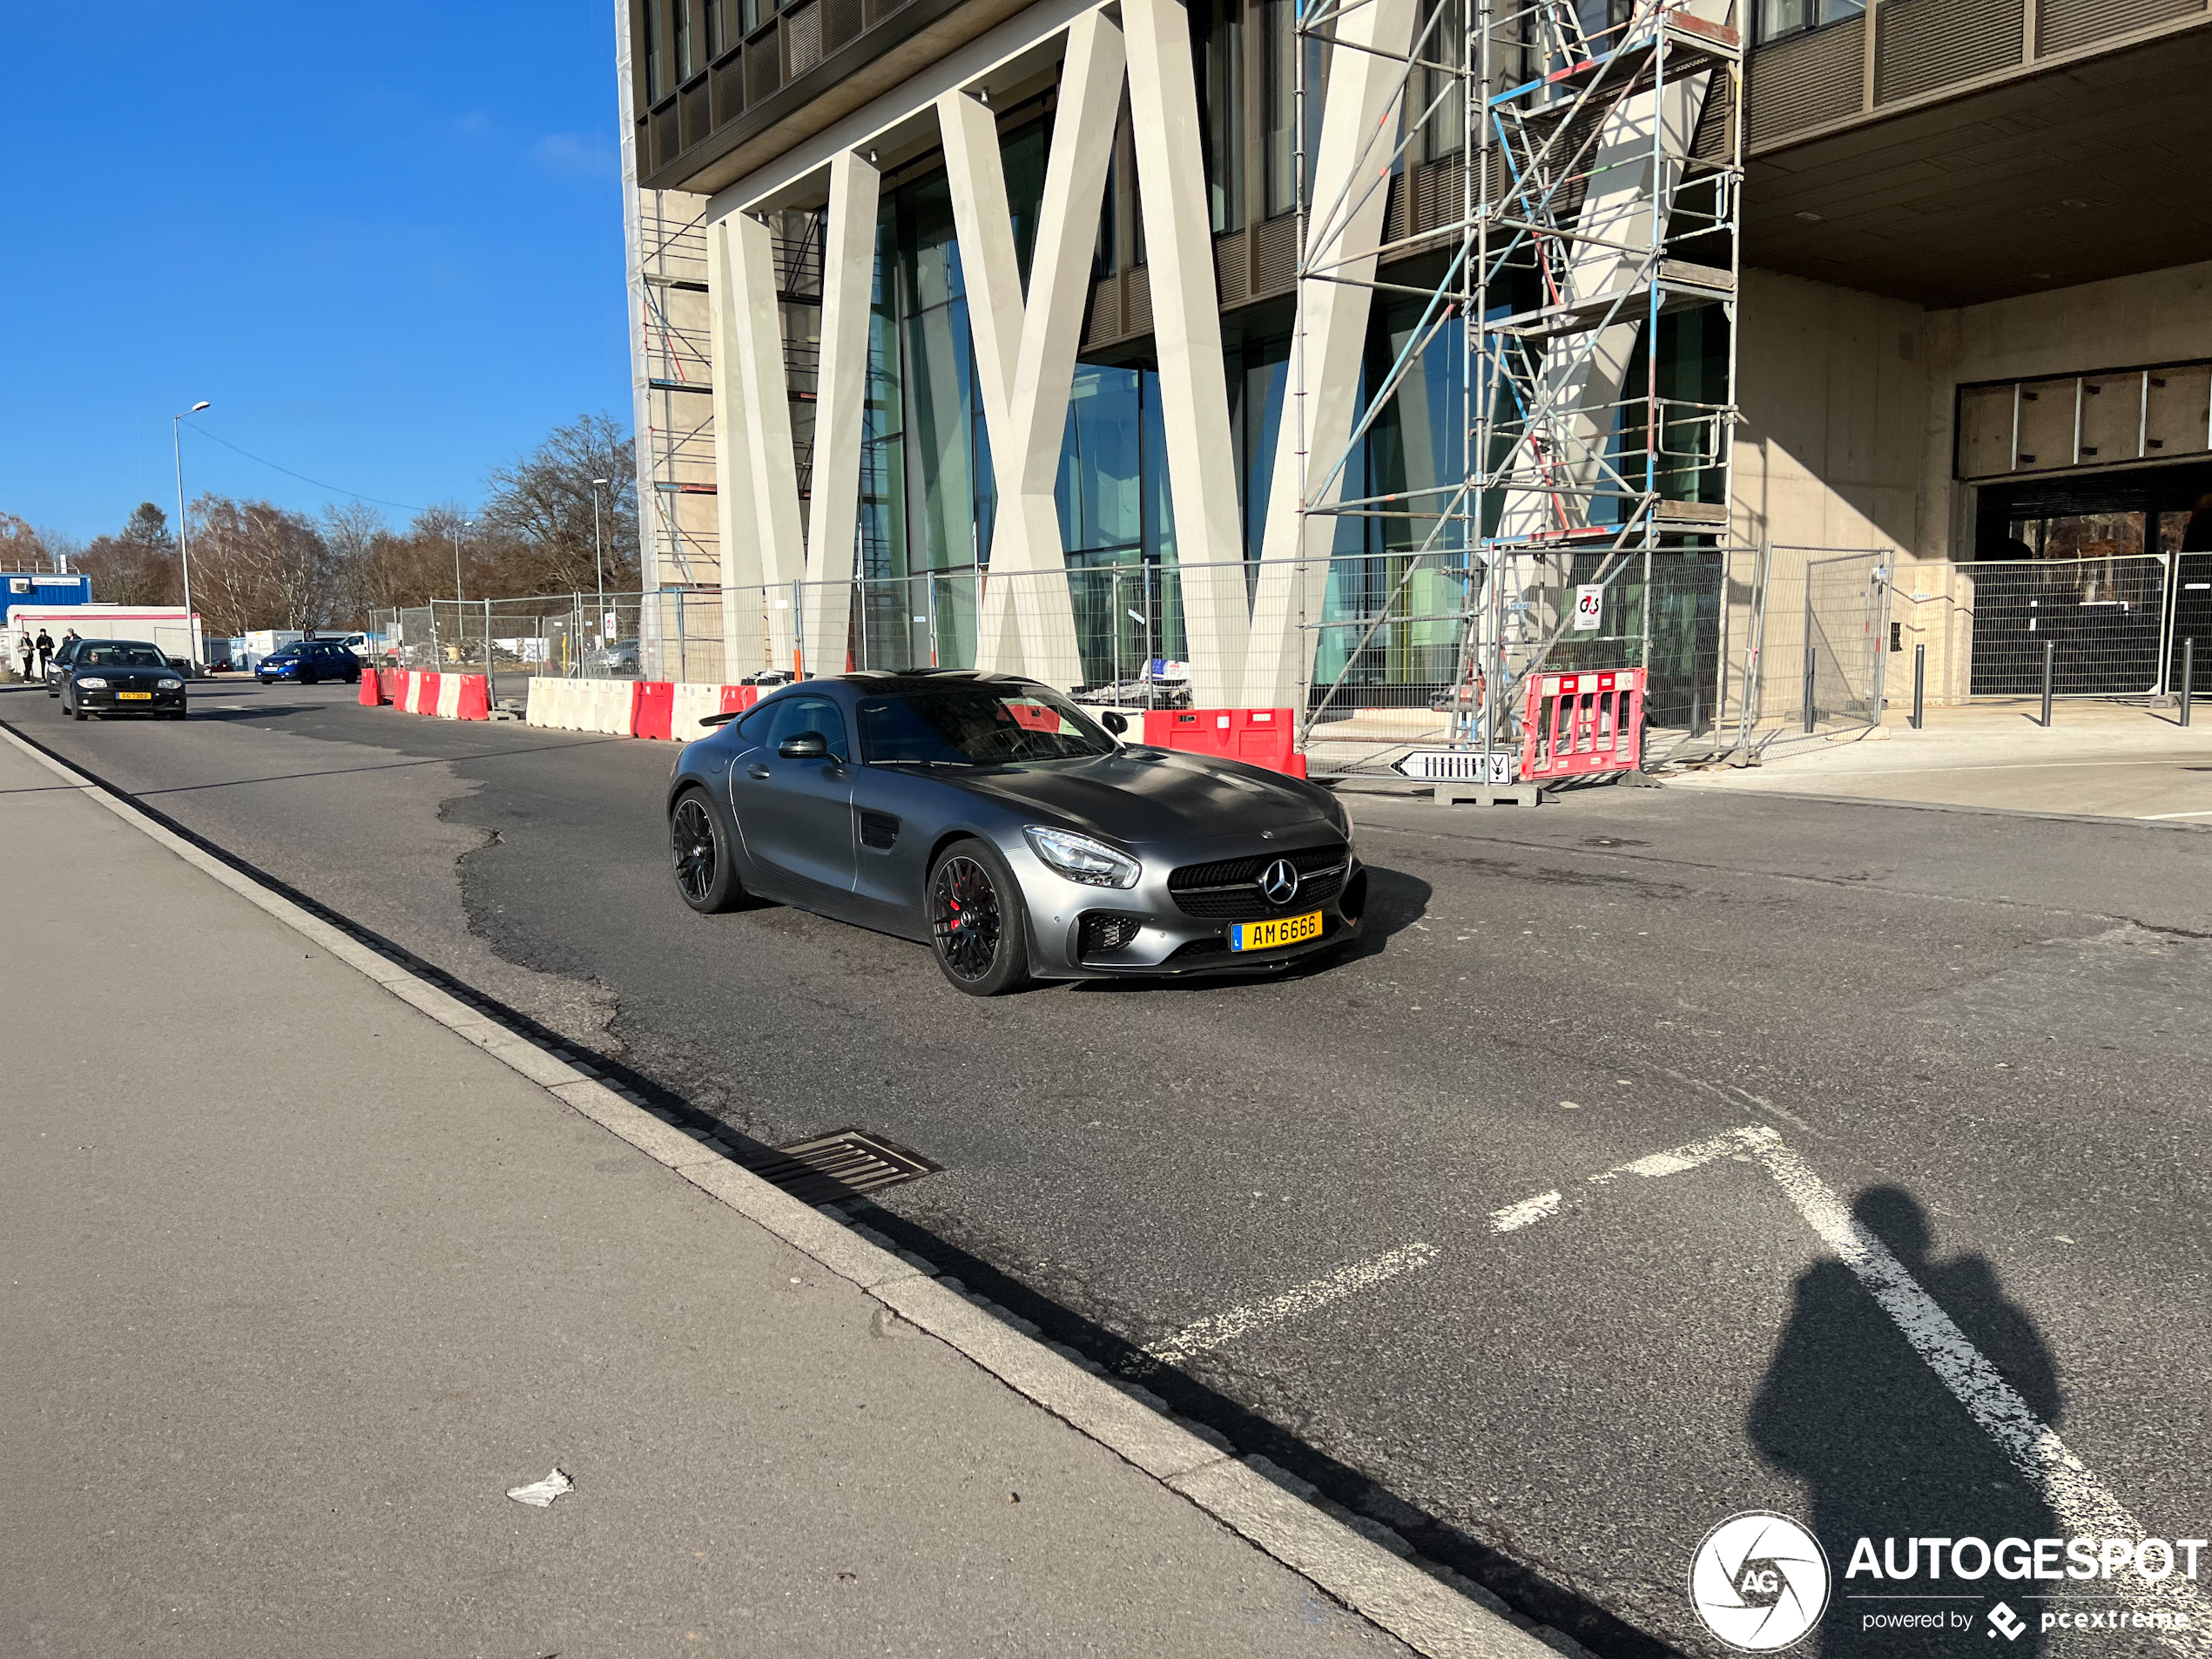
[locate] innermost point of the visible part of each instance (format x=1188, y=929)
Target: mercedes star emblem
x=1279, y=883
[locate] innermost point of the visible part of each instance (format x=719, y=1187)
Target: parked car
x=109, y=677
x=988, y=816
x=620, y=658
x=308, y=661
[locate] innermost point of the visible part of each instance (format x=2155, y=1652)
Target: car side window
x=798, y=714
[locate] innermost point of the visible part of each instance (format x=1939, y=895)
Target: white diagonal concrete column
x=833, y=527
x=744, y=646
x=1025, y=347
x=1186, y=322
x=1357, y=138
x=765, y=439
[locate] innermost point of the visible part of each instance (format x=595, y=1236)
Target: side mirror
x=1115, y=721
x=805, y=745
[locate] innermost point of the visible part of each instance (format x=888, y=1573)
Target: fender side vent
x=878, y=830
x=840, y=1166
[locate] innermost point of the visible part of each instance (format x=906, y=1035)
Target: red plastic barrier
x=1258, y=737
x=426, y=697
x=653, y=713
x=738, y=697
x=371, y=694
x=476, y=699
x=1579, y=724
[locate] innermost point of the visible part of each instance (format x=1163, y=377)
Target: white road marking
x=1676, y=1159
x=1515, y=1216
x=2153, y=817
x=1221, y=1328
x=2066, y=1484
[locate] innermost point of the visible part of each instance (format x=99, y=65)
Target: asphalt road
x=1989, y=1031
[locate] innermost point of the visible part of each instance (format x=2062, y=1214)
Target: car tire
x=979, y=926
x=308, y=677
x=77, y=714
x=703, y=852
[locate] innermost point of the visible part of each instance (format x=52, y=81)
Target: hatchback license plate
x=1266, y=935
x=134, y=696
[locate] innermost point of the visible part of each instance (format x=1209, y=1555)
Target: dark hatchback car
x=990, y=817
x=309, y=661
x=109, y=677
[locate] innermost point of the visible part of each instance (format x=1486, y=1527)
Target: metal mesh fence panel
x=2100, y=622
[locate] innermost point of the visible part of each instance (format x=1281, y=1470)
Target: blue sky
x=385, y=241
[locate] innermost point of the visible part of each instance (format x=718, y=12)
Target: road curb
x=1410, y=1603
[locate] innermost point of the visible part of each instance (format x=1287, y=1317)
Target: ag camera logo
x=1759, y=1582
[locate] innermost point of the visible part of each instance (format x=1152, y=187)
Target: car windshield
x=120, y=655
x=968, y=723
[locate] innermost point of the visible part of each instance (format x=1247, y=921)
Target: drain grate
x=840, y=1166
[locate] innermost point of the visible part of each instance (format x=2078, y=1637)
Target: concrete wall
x=1833, y=384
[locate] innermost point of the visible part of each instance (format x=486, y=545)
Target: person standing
x=45, y=651
x=27, y=650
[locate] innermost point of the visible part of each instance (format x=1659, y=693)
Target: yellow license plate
x=134, y=696
x=1266, y=935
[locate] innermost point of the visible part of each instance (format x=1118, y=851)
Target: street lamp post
x=459, y=627
x=598, y=558
x=184, y=538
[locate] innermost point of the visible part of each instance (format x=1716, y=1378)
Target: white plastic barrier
x=694, y=702
x=450, y=697
x=553, y=703
x=581, y=705
x=610, y=707
x=415, y=686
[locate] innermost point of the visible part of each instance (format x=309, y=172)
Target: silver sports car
x=987, y=817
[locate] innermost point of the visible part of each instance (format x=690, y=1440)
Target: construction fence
x=1743, y=648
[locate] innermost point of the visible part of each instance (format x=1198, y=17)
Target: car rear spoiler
x=724, y=718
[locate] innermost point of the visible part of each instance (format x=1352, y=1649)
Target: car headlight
x=170, y=685
x=1080, y=859
x=90, y=683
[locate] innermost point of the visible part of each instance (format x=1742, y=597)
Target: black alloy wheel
x=704, y=872
x=308, y=677
x=977, y=923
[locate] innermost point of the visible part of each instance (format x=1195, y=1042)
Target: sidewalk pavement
x=2103, y=759
x=301, y=1282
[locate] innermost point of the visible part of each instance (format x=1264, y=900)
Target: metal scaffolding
x=1561, y=181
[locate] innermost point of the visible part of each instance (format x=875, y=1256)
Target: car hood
x=131, y=676
x=1153, y=796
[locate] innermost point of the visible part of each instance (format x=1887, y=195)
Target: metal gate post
x=491, y=669
x=2050, y=660
x=1919, y=685
x=2189, y=676
x=1811, y=658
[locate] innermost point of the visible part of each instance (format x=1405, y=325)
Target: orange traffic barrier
x=654, y=712
x=475, y=702
x=371, y=694
x=1581, y=724
x=738, y=697
x=1258, y=737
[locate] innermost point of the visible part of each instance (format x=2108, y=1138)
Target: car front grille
x=1229, y=890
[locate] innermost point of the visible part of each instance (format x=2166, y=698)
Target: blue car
x=309, y=661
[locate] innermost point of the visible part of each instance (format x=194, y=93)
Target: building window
x=1779, y=19
x=1279, y=23
x=686, y=63
x=1217, y=42
x=656, y=68
x=718, y=27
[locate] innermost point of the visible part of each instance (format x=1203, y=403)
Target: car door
x=796, y=816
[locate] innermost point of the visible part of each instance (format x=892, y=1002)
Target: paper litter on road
x=539, y=1494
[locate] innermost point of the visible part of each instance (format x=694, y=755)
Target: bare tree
x=543, y=502
x=23, y=548
x=255, y=566
x=138, y=565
